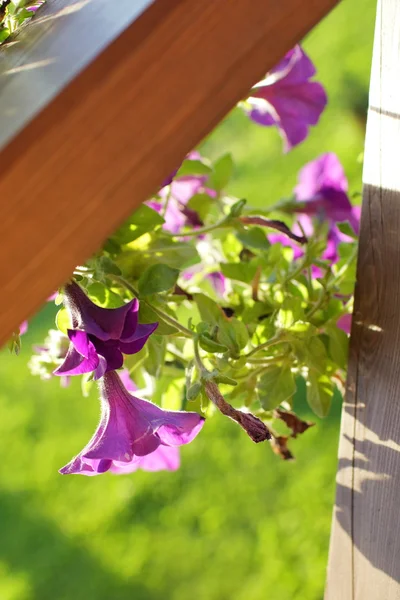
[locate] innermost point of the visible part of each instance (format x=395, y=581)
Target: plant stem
x=195, y=232
x=164, y=316
x=272, y=342
x=167, y=199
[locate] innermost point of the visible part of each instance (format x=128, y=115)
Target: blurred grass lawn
x=234, y=523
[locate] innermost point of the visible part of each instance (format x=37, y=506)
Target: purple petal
x=111, y=352
x=164, y=458
x=131, y=432
x=218, y=282
x=131, y=322
x=344, y=322
x=75, y=364
x=292, y=102
x=80, y=341
x=104, y=323
x=142, y=334
x=325, y=172
x=296, y=66
x=173, y=427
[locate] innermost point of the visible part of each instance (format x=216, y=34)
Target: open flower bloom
x=288, y=99
x=133, y=434
x=100, y=336
x=322, y=191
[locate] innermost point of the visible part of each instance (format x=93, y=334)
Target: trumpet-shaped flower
x=288, y=99
x=133, y=434
x=100, y=336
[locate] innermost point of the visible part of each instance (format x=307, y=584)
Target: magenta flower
x=133, y=434
x=288, y=99
x=322, y=191
x=344, y=323
x=100, y=336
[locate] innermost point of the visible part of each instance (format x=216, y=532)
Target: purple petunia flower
x=288, y=99
x=100, y=336
x=133, y=434
x=322, y=191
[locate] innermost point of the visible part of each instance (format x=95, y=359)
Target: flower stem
x=163, y=315
x=272, y=342
x=200, y=230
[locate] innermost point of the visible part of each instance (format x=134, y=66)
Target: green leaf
x=103, y=296
x=63, y=320
x=220, y=378
x=320, y=390
x=338, y=346
x=253, y=237
x=277, y=385
x=201, y=204
x=209, y=310
x=193, y=167
x=144, y=219
x=233, y=334
x=222, y=172
x=237, y=208
x=157, y=278
x=194, y=391
x=347, y=229
x=156, y=346
x=147, y=315
x=108, y=266
x=242, y=271
x=290, y=312
x=316, y=354
x=208, y=344
x=159, y=249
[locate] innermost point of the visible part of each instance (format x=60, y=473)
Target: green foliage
x=157, y=278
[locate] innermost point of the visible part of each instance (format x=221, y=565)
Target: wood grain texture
x=364, y=562
x=109, y=138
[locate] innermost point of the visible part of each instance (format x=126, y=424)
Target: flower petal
x=104, y=323
x=75, y=364
x=163, y=458
x=142, y=333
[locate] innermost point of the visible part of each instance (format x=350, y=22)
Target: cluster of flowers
x=135, y=433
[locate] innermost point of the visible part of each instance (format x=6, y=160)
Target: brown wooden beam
x=364, y=562
x=107, y=140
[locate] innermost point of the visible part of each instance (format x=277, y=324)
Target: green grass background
x=234, y=523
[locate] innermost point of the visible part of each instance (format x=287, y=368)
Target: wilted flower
x=100, y=336
x=133, y=434
x=288, y=99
